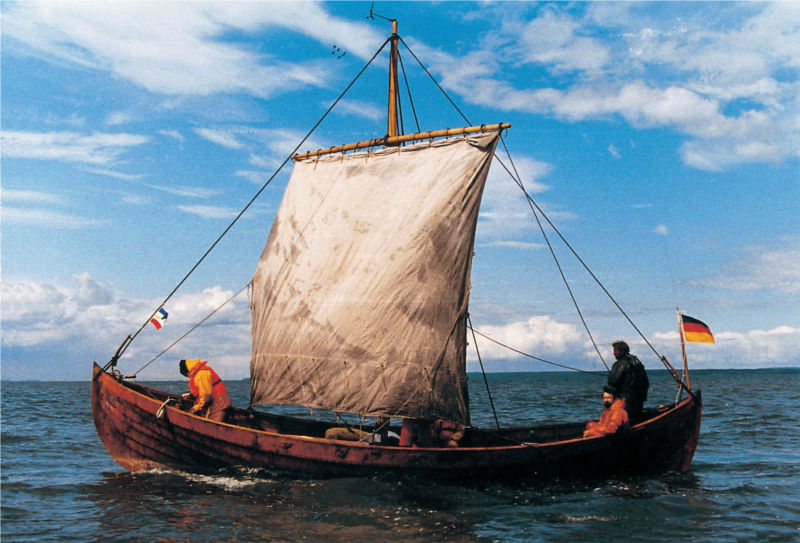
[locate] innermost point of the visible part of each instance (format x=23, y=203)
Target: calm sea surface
x=59, y=484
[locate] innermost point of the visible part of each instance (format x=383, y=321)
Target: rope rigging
x=518, y=180
x=485, y=381
x=536, y=210
x=513, y=173
x=193, y=328
x=489, y=338
x=324, y=342
x=129, y=339
x=408, y=91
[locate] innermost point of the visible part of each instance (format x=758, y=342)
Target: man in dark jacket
x=629, y=379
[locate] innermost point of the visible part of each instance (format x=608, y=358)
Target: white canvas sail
x=360, y=295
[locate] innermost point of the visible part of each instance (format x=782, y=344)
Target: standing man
x=211, y=396
x=628, y=379
x=612, y=419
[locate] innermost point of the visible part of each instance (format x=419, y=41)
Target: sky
x=661, y=139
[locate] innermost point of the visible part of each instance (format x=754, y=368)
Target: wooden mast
x=392, y=136
x=391, y=123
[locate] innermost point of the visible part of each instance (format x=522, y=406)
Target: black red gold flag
x=696, y=330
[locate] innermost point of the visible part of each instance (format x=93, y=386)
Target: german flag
x=696, y=330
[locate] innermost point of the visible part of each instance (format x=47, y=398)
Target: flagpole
x=683, y=349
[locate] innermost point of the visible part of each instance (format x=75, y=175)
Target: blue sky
x=662, y=139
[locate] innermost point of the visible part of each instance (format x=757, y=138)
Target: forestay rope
x=536, y=210
x=193, y=328
x=597, y=281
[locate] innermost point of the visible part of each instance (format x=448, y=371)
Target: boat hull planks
x=126, y=419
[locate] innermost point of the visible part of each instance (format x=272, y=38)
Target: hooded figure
x=211, y=396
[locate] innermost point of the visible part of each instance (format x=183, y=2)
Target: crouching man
x=211, y=398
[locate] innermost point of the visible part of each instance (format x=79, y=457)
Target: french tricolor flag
x=158, y=319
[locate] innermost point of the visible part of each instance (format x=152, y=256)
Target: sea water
x=59, y=483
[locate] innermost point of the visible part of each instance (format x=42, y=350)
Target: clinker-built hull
x=142, y=432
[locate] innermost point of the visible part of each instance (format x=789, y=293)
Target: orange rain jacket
x=611, y=420
x=211, y=396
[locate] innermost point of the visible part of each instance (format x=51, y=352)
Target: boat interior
x=255, y=419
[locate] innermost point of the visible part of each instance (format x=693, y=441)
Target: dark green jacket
x=629, y=380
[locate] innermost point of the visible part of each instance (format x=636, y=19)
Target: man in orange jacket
x=613, y=418
x=211, y=396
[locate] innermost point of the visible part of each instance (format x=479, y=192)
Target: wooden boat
x=128, y=423
x=359, y=305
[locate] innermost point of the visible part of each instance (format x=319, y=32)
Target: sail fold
x=360, y=295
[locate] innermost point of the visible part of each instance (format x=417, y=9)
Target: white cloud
x=210, y=212
x=45, y=218
x=737, y=350
x=646, y=106
x=505, y=211
x=265, y=165
x=14, y=211
x=662, y=230
x=517, y=245
x=554, y=39
x=282, y=142
x=728, y=84
x=191, y=304
x=768, y=268
x=174, y=134
x=90, y=292
x=116, y=118
x=719, y=140
x=68, y=146
x=182, y=190
x=51, y=331
x=220, y=137
x=567, y=344
x=26, y=303
x=118, y=175
x=614, y=152
x=31, y=196
x=779, y=345
x=177, y=47
x=259, y=161
x=135, y=199
x=359, y=109
x=59, y=329
x=734, y=60
x=539, y=336
x=254, y=176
